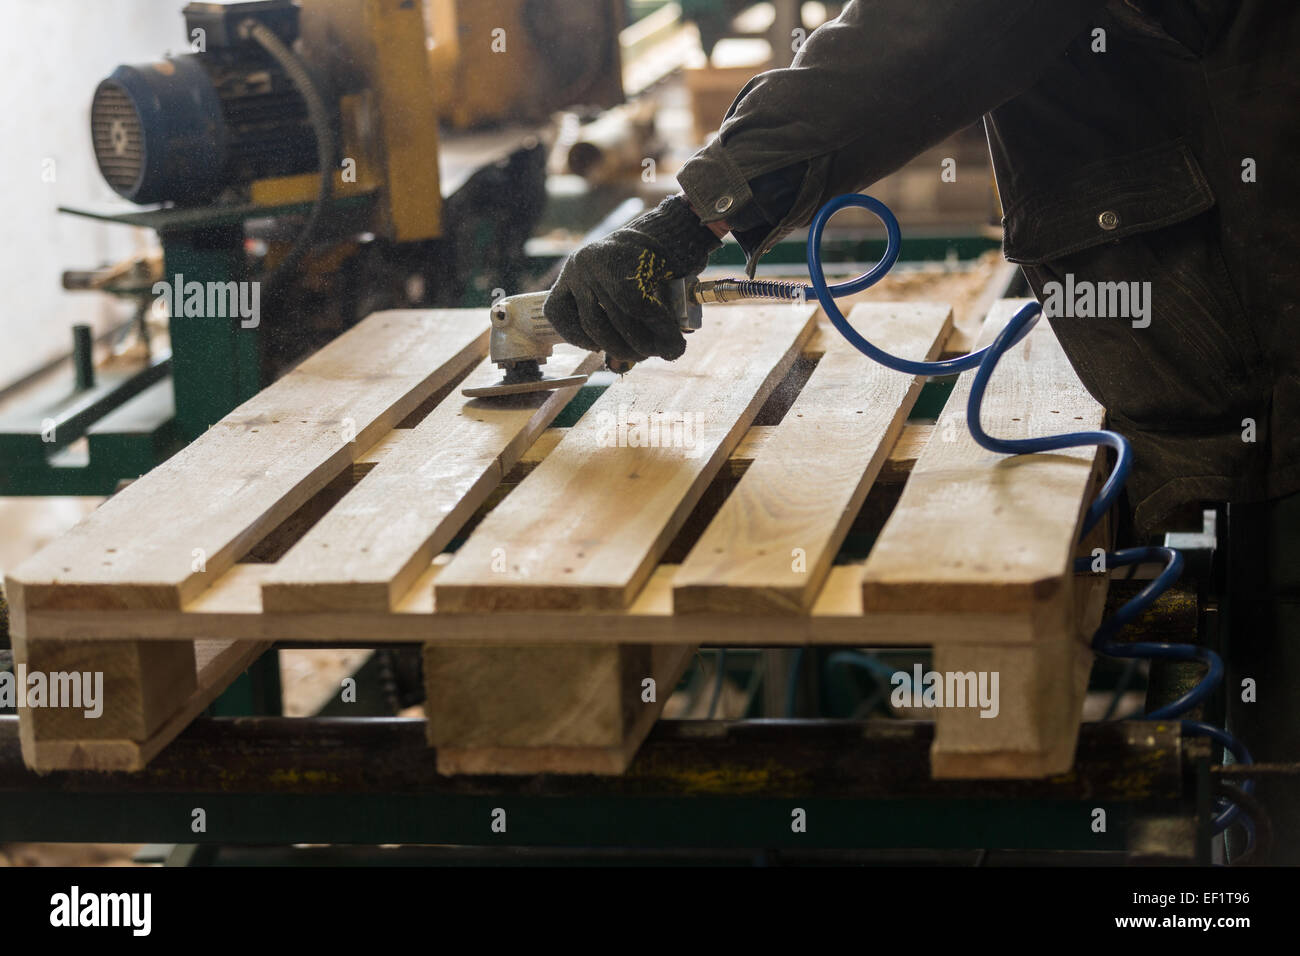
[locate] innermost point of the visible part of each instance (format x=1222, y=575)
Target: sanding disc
x=521, y=388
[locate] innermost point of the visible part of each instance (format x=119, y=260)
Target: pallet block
x=143, y=682
x=581, y=709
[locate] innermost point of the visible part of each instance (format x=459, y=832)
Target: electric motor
x=186, y=127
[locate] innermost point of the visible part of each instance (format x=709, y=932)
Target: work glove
x=610, y=295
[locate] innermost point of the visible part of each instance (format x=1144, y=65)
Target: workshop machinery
x=226, y=145
x=321, y=159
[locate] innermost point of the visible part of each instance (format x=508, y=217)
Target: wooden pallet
x=594, y=559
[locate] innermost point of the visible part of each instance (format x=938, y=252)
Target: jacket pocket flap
x=1106, y=201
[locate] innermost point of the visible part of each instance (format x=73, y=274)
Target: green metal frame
x=130, y=421
x=113, y=414
x=693, y=784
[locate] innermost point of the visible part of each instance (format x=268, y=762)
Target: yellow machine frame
x=402, y=67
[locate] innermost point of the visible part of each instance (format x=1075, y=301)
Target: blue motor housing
x=158, y=131
x=186, y=128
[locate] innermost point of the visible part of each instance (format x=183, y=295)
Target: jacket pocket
x=1105, y=202
x=1187, y=360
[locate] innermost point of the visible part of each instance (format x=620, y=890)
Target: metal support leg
x=1263, y=647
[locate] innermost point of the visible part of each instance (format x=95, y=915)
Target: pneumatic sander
x=522, y=340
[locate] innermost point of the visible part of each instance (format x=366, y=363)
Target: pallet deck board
x=232, y=607
x=367, y=551
x=585, y=529
x=980, y=531
x=902, y=454
x=771, y=544
x=167, y=536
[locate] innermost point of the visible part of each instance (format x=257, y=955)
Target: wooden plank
x=770, y=546
x=369, y=548
x=902, y=456
x=979, y=531
x=167, y=536
x=586, y=528
x=232, y=608
x=968, y=328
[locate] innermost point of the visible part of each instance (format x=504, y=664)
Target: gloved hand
x=610, y=297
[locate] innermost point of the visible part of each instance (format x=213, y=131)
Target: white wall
x=52, y=55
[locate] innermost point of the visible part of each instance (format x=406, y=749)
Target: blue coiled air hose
x=984, y=361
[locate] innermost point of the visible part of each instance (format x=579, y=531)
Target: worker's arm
x=867, y=92
x=881, y=83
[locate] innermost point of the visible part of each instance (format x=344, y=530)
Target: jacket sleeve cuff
x=714, y=184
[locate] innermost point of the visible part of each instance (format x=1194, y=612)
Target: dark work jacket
x=1118, y=166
